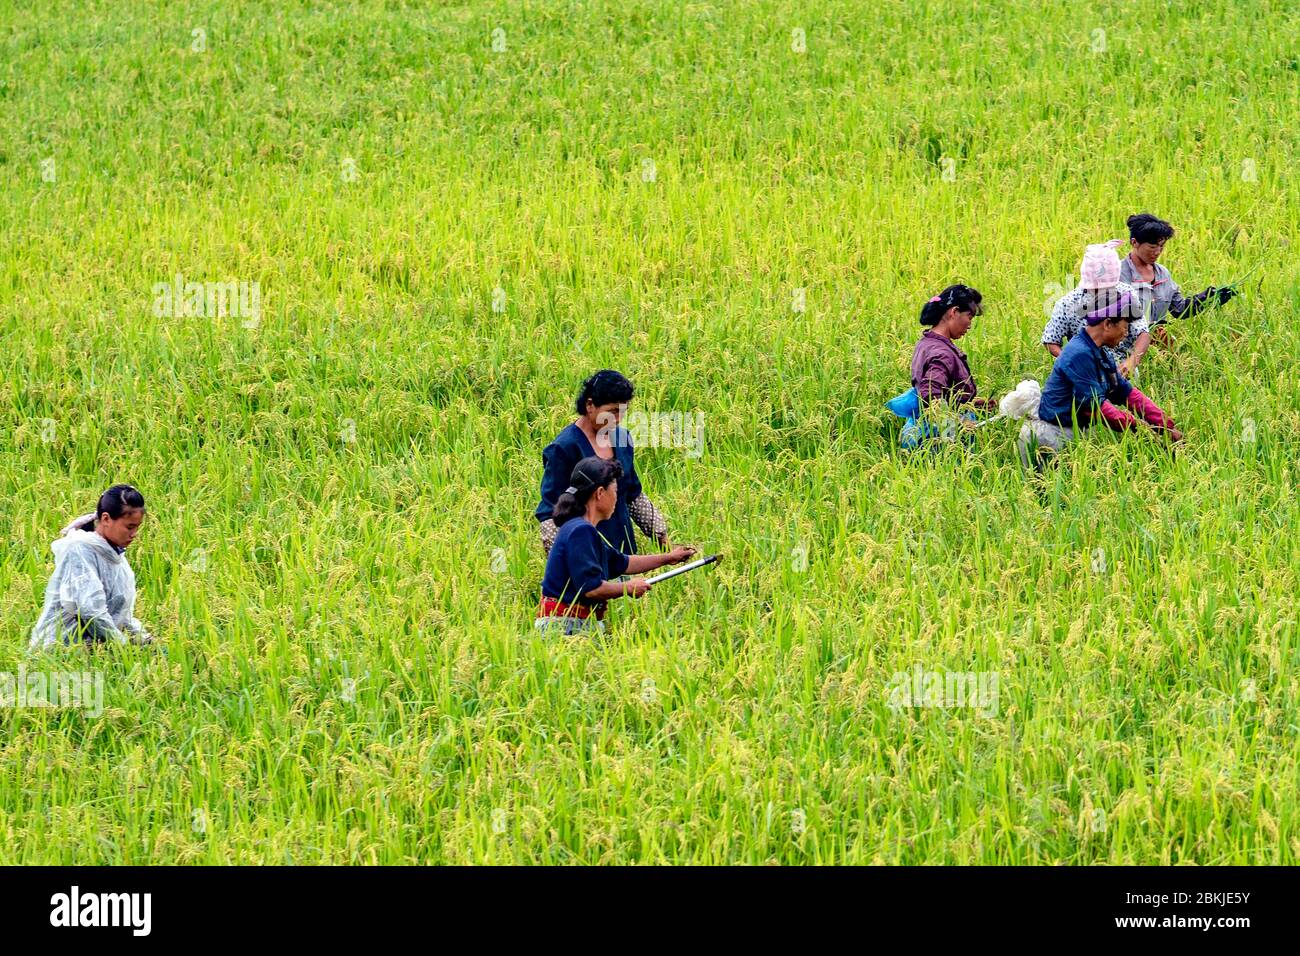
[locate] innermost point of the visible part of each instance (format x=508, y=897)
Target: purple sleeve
x=934, y=379
x=933, y=370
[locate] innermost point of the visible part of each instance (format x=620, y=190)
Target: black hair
x=962, y=296
x=1145, y=227
x=606, y=387
x=588, y=475
x=116, y=502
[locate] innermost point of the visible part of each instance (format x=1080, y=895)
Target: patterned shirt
x=1068, y=315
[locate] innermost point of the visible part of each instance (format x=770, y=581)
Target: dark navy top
x=569, y=448
x=1083, y=376
x=580, y=561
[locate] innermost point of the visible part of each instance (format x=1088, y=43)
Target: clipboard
x=689, y=566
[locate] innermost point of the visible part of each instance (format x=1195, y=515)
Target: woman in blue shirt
x=596, y=432
x=582, y=565
x=1086, y=384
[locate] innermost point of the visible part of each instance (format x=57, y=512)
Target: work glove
x=1151, y=413
x=1226, y=293
x=1197, y=303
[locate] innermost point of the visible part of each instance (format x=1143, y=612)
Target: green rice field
x=433, y=221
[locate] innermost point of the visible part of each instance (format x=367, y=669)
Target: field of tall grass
x=451, y=215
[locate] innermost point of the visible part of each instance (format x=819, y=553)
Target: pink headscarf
x=1100, y=266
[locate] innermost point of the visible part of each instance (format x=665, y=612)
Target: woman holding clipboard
x=583, y=566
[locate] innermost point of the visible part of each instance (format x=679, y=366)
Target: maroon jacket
x=940, y=370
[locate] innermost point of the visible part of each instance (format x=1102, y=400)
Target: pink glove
x=1149, y=410
x=1116, y=418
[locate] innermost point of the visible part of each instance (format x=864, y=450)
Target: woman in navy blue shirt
x=582, y=565
x=596, y=432
x=1087, y=386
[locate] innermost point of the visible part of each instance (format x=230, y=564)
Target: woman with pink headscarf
x=1100, y=295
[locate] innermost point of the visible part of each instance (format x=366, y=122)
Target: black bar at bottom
x=335, y=906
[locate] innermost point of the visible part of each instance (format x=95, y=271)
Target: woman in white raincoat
x=91, y=595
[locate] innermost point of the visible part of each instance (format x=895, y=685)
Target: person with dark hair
x=582, y=565
x=1101, y=293
x=91, y=595
x=941, y=377
x=1086, y=384
x=600, y=405
x=1157, y=292
x=940, y=370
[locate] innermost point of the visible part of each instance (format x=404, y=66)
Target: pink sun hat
x=1100, y=266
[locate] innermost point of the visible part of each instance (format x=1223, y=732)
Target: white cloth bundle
x=1021, y=402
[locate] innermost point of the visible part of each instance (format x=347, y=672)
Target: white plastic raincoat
x=91, y=595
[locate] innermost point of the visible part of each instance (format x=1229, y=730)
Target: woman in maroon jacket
x=940, y=371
